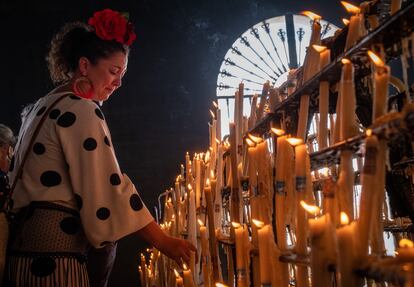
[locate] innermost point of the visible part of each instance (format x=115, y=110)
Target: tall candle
x=240, y=255
x=323, y=243
x=381, y=81
x=368, y=193
x=188, y=277
x=346, y=252
x=301, y=216
x=310, y=68
x=325, y=59
x=179, y=280
x=264, y=254
x=211, y=230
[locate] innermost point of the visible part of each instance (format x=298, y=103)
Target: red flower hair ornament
x=112, y=25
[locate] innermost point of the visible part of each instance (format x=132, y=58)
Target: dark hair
x=73, y=41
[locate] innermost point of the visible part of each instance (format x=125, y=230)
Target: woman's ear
x=83, y=66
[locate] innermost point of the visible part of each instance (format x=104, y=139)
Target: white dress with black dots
x=72, y=164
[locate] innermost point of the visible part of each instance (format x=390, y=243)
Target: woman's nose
x=118, y=82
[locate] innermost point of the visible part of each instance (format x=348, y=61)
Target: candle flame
x=189, y=186
x=278, y=132
x=185, y=267
x=215, y=104
x=368, y=132
x=377, y=60
x=319, y=48
x=345, y=21
x=200, y=222
x=221, y=285
x=345, y=61
x=311, y=15
x=176, y=273
x=254, y=138
x=294, y=141
x=212, y=114
x=258, y=223
x=351, y=8
x=236, y=225
x=217, y=141
x=208, y=182
x=405, y=243
x=344, y=218
x=312, y=209
x=250, y=143
x=212, y=175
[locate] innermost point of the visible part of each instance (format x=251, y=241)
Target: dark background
x=162, y=109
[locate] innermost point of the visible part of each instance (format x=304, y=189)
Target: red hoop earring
x=82, y=87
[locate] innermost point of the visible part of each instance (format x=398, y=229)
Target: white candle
x=346, y=252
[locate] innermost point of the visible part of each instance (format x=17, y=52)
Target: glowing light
x=312, y=209
x=176, y=273
x=189, y=186
x=368, y=132
x=344, y=218
x=405, y=243
x=250, y=143
x=319, y=48
x=200, y=222
x=311, y=15
x=258, y=223
x=236, y=225
x=345, y=21
x=345, y=61
x=208, y=182
x=185, y=267
x=351, y=8
x=218, y=141
x=377, y=60
x=254, y=138
x=221, y=285
x=212, y=175
x=278, y=132
x=294, y=141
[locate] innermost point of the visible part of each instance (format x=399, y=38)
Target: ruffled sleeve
x=110, y=206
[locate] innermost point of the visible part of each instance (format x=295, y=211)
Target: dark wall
x=161, y=111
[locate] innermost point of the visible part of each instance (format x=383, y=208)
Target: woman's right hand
x=177, y=249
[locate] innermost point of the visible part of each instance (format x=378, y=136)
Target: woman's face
x=106, y=75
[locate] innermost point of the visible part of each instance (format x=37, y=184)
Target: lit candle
x=348, y=128
x=178, y=279
x=188, y=277
x=310, y=68
x=325, y=59
x=381, y=81
x=322, y=238
x=240, y=255
x=356, y=27
x=405, y=252
x=346, y=252
x=264, y=252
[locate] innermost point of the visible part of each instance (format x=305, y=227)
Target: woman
x=71, y=191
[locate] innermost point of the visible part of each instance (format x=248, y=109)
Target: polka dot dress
x=72, y=162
